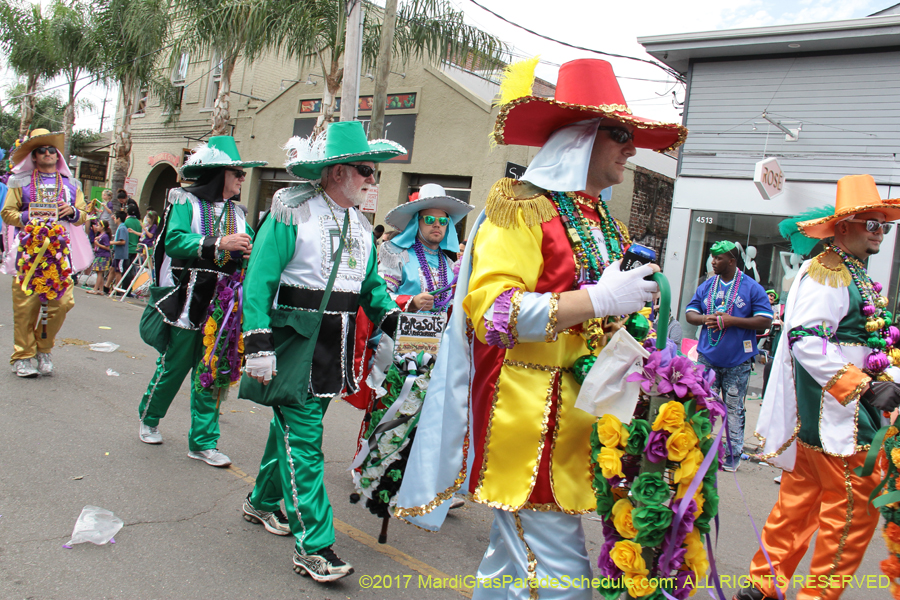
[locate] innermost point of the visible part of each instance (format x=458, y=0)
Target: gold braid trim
x=828, y=269
x=550, y=330
x=508, y=196
x=532, y=560
x=626, y=237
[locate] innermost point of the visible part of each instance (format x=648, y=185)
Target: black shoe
x=751, y=593
x=323, y=566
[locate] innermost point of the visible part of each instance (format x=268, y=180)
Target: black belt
x=292, y=297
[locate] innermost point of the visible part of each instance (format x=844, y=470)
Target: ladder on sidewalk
x=140, y=283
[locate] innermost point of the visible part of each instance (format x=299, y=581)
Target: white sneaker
x=25, y=368
x=211, y=457
x=457, y=502
x=45, y=364
x=274, y=522
x=150, y=435
x=323, y=566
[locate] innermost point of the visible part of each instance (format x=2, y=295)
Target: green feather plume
x=800, y=243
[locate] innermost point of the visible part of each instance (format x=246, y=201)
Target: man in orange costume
x=544, y=263
x=830, y=383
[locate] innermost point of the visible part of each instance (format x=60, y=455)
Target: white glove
x=622, y=292
x=261, y=368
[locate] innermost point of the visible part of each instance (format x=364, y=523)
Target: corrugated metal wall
x=847, y=106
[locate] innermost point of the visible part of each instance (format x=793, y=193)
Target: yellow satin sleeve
x=503, y=259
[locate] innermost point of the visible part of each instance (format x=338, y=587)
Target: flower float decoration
x=389, y=429
x=42, y=264
x=222, y=341
x=655, y=481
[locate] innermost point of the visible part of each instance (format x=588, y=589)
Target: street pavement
x=71, y=440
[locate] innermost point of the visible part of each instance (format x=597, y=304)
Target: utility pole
x=352, y=59
x=103, y=112
x=383, y=70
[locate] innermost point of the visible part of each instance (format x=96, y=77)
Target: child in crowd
x=100, y=266
x=120, y=253
x=149, y=229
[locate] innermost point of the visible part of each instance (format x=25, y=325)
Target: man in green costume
x=205, y=239
x=314, y=249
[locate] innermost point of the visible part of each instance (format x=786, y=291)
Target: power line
x=668, y=70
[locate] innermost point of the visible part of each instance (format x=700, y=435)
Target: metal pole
x=352, y=49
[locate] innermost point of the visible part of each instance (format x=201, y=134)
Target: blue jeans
x=731, y=383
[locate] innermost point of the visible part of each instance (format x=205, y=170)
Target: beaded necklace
x=878, y=320
x=729, y=302
x=419, y=249
x=589, y=261
x=55, y=195
x=208, y=226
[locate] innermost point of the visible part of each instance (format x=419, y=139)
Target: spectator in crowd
x=120, y=252
x=101, y=263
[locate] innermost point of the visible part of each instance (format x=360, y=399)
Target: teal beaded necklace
x=589, y=260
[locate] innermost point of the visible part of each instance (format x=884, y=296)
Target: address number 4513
x=705, y=220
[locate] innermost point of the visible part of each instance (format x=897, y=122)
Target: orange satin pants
x=823, y=493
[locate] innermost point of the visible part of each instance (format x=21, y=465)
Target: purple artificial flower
x=656, y=446
x=682, y=586
x=609, y=530
x=679, y=376
x=206, y=379
x=605, y=563
x=675, y=561
x=715, y=407
x=687, y=521
x=615, y=481
x=225, y=295
x=653, y=366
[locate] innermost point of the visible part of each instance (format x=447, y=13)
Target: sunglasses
x=430, y=219
x=619, y=135
x=45, y=150
x=872, y=225
x=363, y=170
x=238, y=173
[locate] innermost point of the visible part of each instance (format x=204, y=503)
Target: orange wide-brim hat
x=586, y=89
x=855, y=194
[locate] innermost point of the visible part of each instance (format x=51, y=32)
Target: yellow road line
x=365, y=539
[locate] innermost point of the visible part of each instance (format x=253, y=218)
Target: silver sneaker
x=211, y=457
x=150, y=435
x=25, y=368
x=45, y=364
x=457, y=502
x=274, y=522
x=322, y=566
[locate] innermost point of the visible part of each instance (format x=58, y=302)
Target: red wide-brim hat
x=586, y=89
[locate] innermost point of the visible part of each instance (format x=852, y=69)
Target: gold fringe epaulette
x=508, y=196
x=624, y=229
x=828, y=269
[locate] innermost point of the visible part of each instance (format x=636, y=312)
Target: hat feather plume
x=308, y=149
x=517, y=80
x=203, y=154
x=800, y=242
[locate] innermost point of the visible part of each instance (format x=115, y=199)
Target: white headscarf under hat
x=562, y=164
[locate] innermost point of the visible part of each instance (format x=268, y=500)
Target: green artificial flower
x=610, y=589
x=650, y=489
x=638, y=430
x=652, y=522
x=384, y=496
x=700, y=423
x=603, y=492
x=395, y=474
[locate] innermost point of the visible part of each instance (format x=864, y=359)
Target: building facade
x=819, y=97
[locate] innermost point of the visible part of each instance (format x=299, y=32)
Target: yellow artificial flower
x=610, y=462
x=627, y=556
x=688, y=467
x=51, y=295
x=670, y=417
x=621, y=512
x=638, y=585
x=611, y=432
x=895, y=457
x=682, y=441
x=210, y=327
x=241, y=345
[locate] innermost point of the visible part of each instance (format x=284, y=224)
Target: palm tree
x=425, y=29
x=73, y=30
x=26, y=42
x=133, y=33
x=225, y=30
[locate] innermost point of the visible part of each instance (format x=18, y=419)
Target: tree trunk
x=221, y=110
x=29, y=101
x=383, y=70
x=329, y=94
x=69, y=118
x=122, y=139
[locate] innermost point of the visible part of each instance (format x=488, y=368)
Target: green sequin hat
x=219, y=151
x=722, y=247
x=342, y=142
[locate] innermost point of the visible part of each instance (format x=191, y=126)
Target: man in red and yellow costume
x=542, y=273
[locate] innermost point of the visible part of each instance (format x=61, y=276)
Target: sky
x=610, y=26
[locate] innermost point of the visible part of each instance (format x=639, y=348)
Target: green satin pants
x=293, y=469
x=182, y=356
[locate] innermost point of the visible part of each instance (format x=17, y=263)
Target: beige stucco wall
x=451, y=135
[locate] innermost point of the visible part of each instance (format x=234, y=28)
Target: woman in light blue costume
x=414, y=266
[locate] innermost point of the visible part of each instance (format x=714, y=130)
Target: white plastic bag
x=605, y=390
x=104, y=347
x=96, y=525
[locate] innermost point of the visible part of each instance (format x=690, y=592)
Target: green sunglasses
x=430, y=219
